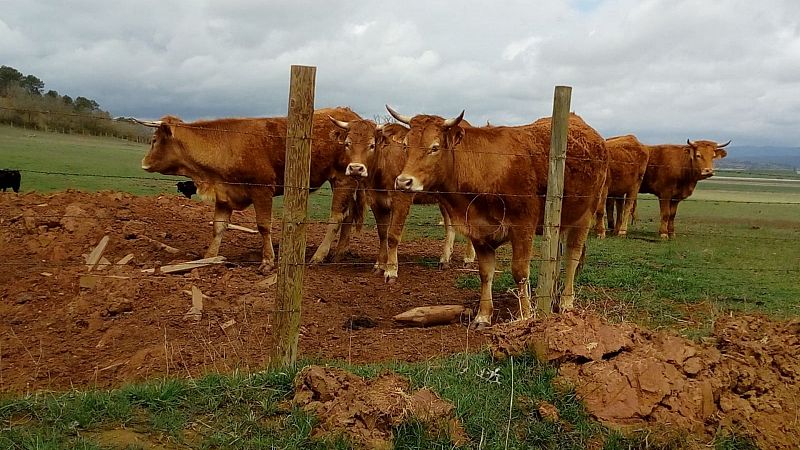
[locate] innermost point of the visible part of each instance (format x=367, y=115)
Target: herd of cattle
x=490, y=182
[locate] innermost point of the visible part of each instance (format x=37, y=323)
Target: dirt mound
x=747, y=379
x=367, y=410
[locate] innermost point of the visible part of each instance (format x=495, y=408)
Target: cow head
x=703, y=154
x=165, y=151
x=429, y=145
x=360, y=138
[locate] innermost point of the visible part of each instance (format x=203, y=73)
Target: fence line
x=364, y=188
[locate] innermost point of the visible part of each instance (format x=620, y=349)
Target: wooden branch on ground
x=238, y=228
x=187, y=266
x=425, y=316
x=96, y=254
x=159, y=245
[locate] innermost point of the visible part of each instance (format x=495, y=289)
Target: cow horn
x=454, y=121
x=689, y=143
x=405, y=119
x=723, y=145
x=340, y=124
x=149, y=123
x=379, y=127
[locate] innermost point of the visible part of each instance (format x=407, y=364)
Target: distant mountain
x=749, y=157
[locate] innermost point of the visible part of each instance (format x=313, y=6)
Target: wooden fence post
x=291, y=257
x=550, y=268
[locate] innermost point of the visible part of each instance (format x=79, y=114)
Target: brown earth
x=746, y=377
x=54, y=334
x=368, y=410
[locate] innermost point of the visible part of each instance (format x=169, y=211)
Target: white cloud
x=664, y=70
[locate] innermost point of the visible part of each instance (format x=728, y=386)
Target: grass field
x=738, y=249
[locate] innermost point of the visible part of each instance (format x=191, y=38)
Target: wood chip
x=103, y=264
x=125, y=259
x=228, y=324
x=196, y=311
x=46, y=274
x=97, y=253
x=189, y=265
x=238, y=228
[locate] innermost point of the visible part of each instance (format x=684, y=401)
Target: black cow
x=187, y=188
x=10, y=179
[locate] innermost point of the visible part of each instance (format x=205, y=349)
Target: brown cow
x=627, y=164
x=375, y=155
x=493, y=181
x=239, y=162
x=673, y=172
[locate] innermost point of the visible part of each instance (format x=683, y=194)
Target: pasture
x=737, y=252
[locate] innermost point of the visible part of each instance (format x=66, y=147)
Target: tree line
x=25, y=103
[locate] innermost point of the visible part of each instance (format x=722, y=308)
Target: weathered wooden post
x=550, y=267
x=292, y=253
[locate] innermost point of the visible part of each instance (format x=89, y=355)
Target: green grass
x=254, y=411
x=727, y=257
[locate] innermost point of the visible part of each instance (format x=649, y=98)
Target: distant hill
x=772, y=158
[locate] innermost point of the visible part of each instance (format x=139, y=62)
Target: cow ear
x=338, y=135
x=165, y=129
x=720, y=153
x=453, y=136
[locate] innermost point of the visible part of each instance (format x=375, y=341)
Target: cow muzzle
x=707, y=173
x=407, y=183
x=356, y=170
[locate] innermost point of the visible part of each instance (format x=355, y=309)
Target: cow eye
x=372, y=146
x=434, y=148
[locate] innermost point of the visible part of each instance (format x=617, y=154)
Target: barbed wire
x=372, y=189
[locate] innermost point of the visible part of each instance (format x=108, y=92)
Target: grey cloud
x=664, y=70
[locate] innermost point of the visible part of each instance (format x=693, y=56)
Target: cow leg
x=449, y=239
x=575, y=239
x=222, y=215
x=262, y=203
x=630, y=200
x=609, y=204
x=486, y=265
x=520, y=269
x=469, y=253
x=382, y=218
x=673, y=209
x=401, y=204
x=339, y=203
x=599, y=222
x=664, y=207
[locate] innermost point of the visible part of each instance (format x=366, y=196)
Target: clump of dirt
x=747, y=378
x=367, y=410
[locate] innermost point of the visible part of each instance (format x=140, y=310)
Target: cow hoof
x=390, y=280
x=444, y=265
x=664, y=236
x=265, y=268
x=601, y=235
x=478, y=325
x=377, y=271
x=623, y=234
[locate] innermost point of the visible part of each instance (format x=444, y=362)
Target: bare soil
x=56, y=335
x=745, y=378
x=60, y=330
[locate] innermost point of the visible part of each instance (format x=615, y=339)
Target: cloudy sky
x=662, y=69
